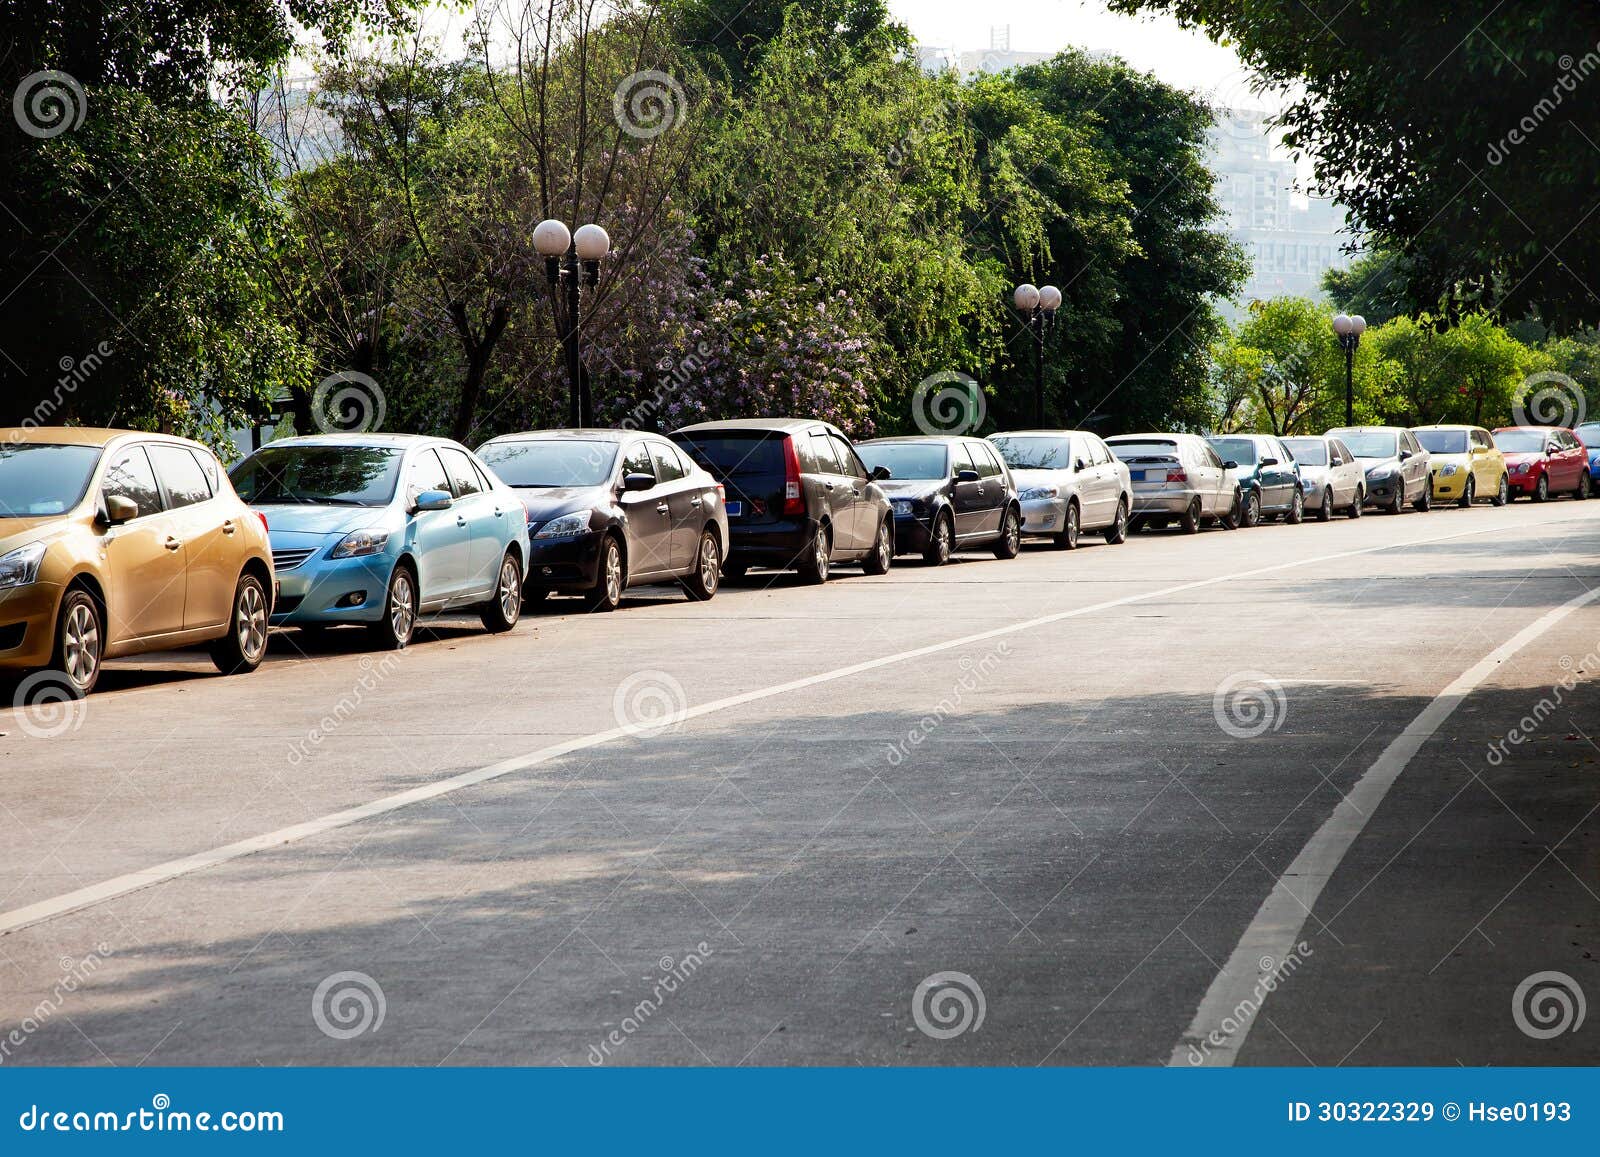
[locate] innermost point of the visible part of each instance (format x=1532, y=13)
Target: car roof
x=1150, y=437
x=1446, y=426
x=1528, y=429
x=84, y=436
x=768, y=425
x=399, y=441
x=1037, y=433
x=922, y=439
x=577, y=434
x=1337, y=430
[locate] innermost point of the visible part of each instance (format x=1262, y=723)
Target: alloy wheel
x=510, y=590
x=250, y=622
x=710, y=564
x=613, y=572
x=402, y=607
x=80, y=637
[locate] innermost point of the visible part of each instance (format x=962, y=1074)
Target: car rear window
x=735, y=455
x=1130, y=451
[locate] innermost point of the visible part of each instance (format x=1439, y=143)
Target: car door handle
x=827, y=485
x=856, y=492
x=460, y=521
x=228, y=527
x=172, y=543
x=662, y=508
x=498, y=513
x=694, y=502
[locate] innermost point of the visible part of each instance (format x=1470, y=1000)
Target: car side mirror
x=433, y=500
x=120, y=509
x=637, y=482
x=1230, y=464
x=880, y=474
x=1269, y=461
x=966, y=475
x=1405, y=455
x=1080, y=464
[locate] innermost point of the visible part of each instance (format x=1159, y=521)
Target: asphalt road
x=1092, y=784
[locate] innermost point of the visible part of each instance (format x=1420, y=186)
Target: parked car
x=1332, y=478
x=1544, y=460
x=1178, y=477
x=1269, y=479
x=1396, y=466
x=377, y=529
x=1589, y=435
x=1068, y=481
x=116, y=543
x=798, y=495
x=1466, y=464
x=948, y=494
x=612, y=509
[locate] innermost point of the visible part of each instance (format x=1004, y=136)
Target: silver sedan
x=1178, y=477
x=1068, y=481
x=1334, y=481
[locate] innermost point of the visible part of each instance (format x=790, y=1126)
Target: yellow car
x=113, y=543
x=1466, y=464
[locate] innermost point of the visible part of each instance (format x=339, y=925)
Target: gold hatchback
x=113, y=543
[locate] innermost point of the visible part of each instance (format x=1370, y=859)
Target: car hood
x=295, y=518
x=1519, y=458
x=1041, y=477
x=911, y=487
x=19, y=532
x=1371, y=464
x=1438, y=460
x=546, y=502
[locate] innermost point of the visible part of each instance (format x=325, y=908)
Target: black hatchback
x=797, y=495
x=948, y=493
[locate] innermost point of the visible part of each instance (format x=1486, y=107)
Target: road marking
x=19, y=918
x=1272, y=936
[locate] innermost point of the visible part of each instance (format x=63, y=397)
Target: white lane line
x=1273, y=934
x=47, y=909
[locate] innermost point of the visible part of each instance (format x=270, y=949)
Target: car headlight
x=1520, y=468
x=901, y=505
x=567, y=526
x=21, y=567
x=1379, y=473
x=1035, y=493
x=1450, y=470
x=359, y=543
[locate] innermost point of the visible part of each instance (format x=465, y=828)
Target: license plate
x=734, y=509
x=1136, y=475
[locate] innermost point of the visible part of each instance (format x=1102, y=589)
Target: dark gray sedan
x=948, y=494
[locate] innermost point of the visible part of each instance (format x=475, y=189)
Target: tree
x=1377, y=285
x=734, y=34
x=1281, y=370
x=1460, y=135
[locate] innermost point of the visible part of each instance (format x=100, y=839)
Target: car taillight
x=792, y=502
x=1177, y=476
x=722, y=493
x=263, y=519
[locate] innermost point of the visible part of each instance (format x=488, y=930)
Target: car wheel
x=1397, y=504
x=1425, y=503
x=1070, y=529
x=393, y=632
x=1325, y=511
x=610, y=580
x=940, y=541
x=1230, y=520
x=1297, y=509
x=241, y=650
x=80, y=644
x=1469, y=494
x=502, y=611
x=1541, y=490
x=813, y=566
x=1009, y=544
x=1502, y=494
x=1582, y=491
x=1117, y=532
x=1250, y=513
x=1189, y=520
x=1359, y=505
x=882, y=555
x=701, y=583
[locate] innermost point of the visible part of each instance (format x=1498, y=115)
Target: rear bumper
x=1163, y=501
x=773, y=543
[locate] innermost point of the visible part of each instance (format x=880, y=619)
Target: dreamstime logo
x=1548, y=1004
x=948, y=1004
x=649, y=702
x=75, y=974
x=348, y=1004
x=647, y=104
x=47, y=104
x=46, y=706
x=1560, y=403
x=1249, y=704
x=948, y=402
x=348, y=402
x=1236, y=105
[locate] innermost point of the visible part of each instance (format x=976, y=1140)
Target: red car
x=1544, y=460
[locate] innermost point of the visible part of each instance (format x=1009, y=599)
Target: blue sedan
x=1589, y=435
x=377, y=529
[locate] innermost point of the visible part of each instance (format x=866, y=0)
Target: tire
x=610, y=578
x=504, y=608
x=1425, y=503
x=1397, y=504
x=1072, y=527
x=400, y=605
x=1250, y=512
x=241, y=650
x=1117, y=533
x=814, y=563
x=1325, y=511
x=1009, y=544
x=1358, y=506
x=941, y=540
x=881, y=557
x=1502, y=494
x=80, y=644
x=701, y=583
x=1582, y=492
x=1469, y=494
x=1297, y=509
x=1189, y=520
x=1541, y=492
x=1230, y=520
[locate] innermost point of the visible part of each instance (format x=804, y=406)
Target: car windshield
x=1133, y=451
x=1034, y=453
x=41, y=479
x=319, y=475
x=736, y=455
x=1308, y=451
x=1589, y=435
x=907, y=459
x=549, y=462
x=1443, y=441
x=1240, y=450
x=1370, y=443
x=1520, y=441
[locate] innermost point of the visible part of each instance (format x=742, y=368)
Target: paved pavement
x=1084, y=782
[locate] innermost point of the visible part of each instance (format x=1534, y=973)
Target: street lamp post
x=1349, y=330
x=1038, y=304
x=572, y=260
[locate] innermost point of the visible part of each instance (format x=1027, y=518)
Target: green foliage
x=733, y=35
x=1377, y=285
